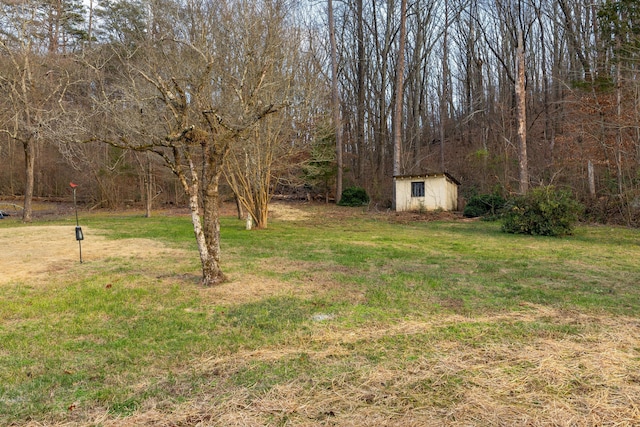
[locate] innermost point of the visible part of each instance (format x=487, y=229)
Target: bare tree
x=262, y=156
x=33, y=80
x=189, y=91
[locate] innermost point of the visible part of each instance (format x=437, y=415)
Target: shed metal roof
x=427, y=175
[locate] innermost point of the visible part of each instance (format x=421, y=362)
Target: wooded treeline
x=98, y=93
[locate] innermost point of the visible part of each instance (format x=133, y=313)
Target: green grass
x=119, y=333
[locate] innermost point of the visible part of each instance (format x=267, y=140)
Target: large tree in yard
x=192, y=85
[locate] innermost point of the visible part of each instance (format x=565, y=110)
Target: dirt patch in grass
x=33, y=253
x=287, y=212
x=37, y=253
x=246, y=288
x=302, y=279
x=298, y=211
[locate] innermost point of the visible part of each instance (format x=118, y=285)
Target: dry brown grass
x=585, y=380
x=285, y=212
x=34, y=252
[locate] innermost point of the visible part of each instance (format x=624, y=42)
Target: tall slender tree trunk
x=149, y=186
x=445, y=86
x=90, y=23
x=147, y=182
x=28, y=142
x=398, y=104
x=521, y=116
x=573, y=40
x=618, y=150
x=335, y=100
x=29, y=158
x=360, y=108
x=545, y=89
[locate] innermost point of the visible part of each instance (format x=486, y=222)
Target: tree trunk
x=397, y=114
x=147, y=183
x=335, y=100
x=445, y=87
x=210, y=251
x=263, y=217
x=207, y=230
x=361, y=91
x=592, y=179
x=148, y=187
x=573, y=40
x=90, y=23
x=521, y=116
x=239, y=209
x=29, y=158
x=618, y=149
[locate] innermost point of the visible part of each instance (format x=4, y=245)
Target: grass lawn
x=332, y=316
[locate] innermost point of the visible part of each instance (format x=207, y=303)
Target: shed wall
x=439, y=193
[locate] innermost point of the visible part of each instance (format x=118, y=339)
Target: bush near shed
x=354, y=196
x=484, y=205
x=545, y=211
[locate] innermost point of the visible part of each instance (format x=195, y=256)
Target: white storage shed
x=426, y=192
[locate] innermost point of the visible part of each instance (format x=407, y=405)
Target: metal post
x=79, y=235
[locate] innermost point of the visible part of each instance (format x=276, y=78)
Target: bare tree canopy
x=33, y=78
x=195, y=84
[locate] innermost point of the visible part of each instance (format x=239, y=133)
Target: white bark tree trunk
x=335, y=100
x=521, y=116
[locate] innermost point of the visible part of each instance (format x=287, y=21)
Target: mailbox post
x=79, y=235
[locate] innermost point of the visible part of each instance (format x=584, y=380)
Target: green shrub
x=484, y=205
x=354, y=196
x=544, y=211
